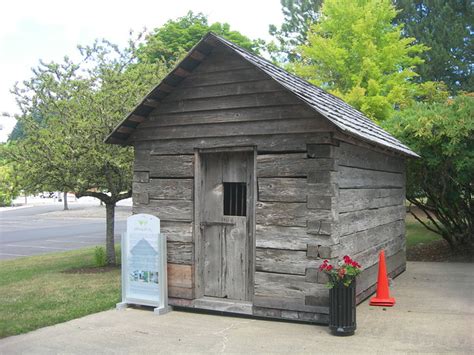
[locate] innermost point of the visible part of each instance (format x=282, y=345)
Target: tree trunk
x=109, y=239
x=65, y=201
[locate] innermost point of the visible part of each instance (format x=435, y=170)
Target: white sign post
x=144, y=280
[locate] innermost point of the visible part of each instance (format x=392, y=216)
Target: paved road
x=31, y=231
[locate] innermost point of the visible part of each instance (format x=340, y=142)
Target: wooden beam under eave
x=136, y=118
x=197, y=55
x=165, y=87
x=151, y=102
x=125, y=129
x=181, y=72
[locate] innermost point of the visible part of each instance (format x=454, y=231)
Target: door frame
x=199, y=257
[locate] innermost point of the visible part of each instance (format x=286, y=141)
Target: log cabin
x=257, y=177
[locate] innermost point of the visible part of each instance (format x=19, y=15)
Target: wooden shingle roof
x=346, y=118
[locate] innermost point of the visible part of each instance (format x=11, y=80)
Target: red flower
x=329, y=268
x=324, y=265
x=347, y=259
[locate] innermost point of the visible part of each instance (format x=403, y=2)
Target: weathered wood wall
x=371, y=211
x=316, y=197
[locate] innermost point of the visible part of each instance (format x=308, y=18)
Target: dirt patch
x=436, y=251
x=91, y=270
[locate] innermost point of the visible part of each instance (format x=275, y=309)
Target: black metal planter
x=342, y=309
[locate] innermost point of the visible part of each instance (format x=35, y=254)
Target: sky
x=31, y=30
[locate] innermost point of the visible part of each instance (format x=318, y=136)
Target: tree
x=446, y=27
x=356, y=53
x=440, y=184
x=176, y=37
x=80, y=103
x=9, y=185
x=298, y=16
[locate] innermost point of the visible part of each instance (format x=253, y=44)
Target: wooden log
x=180, y=275
x=317, y=318
x=284, y=261
x=322, y=227
x=282, y=189
x=166, y=189
x=322, y=202
x=250, y=87
x=226, y=102
x=287, y=214
x=274, y=143
x=151, y=102
x=352, y=222
x=125, y=129
x=266, y=312
x=370, y=256
x=166, y=166
x=180, y=253
x=141, y=198
x=136, y=118
x=226, y=76
x=351, y=155
x=243, y=114
x=355, y=243
x=359, y=199
x=371, y=179
x=322, y=176
x=316, y=276
x=221, y=59
x=223, y=305
x=316, y=190
x=228, y=129
x=276, y=237
x=322, y=151
x=181, y=292
x=167, y=210
x=179, y=71
x=141, y=160
x=273, y=313
x=285, y=286
x=177, y=231
x=293, y=304
x=290, y=165
x=141, y=176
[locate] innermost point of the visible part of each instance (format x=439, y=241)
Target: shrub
x=440, y=184
x=100, y=257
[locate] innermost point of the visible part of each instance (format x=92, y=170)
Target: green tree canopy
x=356, y=53
x=176, y=37
x=298, y=17
x=80, y=103
x=446, y=27
x=440, y=184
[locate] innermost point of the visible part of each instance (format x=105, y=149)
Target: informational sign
x=144, y=280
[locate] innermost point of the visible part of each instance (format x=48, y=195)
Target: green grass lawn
x=35, y=292
x=416, y=233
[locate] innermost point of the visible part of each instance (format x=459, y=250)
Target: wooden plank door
x=225, y=200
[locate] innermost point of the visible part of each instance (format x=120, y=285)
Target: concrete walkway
x=433, y=314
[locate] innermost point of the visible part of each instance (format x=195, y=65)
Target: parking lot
x=45, y=228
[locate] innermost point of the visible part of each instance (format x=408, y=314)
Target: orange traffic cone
x=383, y=297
